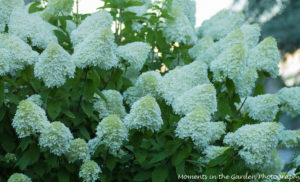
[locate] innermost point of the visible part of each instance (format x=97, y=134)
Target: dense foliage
x=135, y=93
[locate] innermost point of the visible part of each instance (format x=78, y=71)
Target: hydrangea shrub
x=134, y=92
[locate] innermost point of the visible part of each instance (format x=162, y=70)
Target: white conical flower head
x=265, y=56
x=222, y=23
x=21, y=53
x=29, y=119
x=245, y=82
x=112, y=105
x=89, y=171
x=148, y=83
x=144, y=114
x=177, y=81
x=179, y=29
x=197, y=126
x=255, y=142
x=54, y=66
x=200, y=96
x=6, y=7
x=31, y=27
x=91, y=24
x=205, y=49
x=5, y=58
x=18, y=177
x=97, y=49
x=262, y=107
x=54, y=7
x=112, y=132
x=78, y=150
x=290, y=100
x=188, y=7
x=135, y=53
x=229, y=64
x=56, y=137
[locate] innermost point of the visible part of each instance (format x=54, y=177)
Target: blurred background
x=277, y=18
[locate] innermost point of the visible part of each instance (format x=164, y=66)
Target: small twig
x=242, y=104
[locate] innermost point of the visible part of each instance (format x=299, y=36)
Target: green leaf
x=221, y=159
x=53, y=109
x=158, y=157
x=84, y=132
x=212, y=174
x=142, y=176
x=181, y=154
x=160, y=174
x=35, y=7
x=63, y=176
x=2, y=94
x=87, y=108
x=140, y=156
x=30, y=157
x=110, y=162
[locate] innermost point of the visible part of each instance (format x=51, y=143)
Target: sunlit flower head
x=78, y=150
x=6, y=7
x=290, y=100
x=18, y=177
x=89, y=171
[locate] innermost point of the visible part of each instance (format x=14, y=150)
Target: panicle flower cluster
x=37, y=99
x=205, y=49
x=4, y=61
x=78, y=150
x=55, y=7
x=20, y=54
x=211, y=152
x=29, y=119
x=179, y=28
x=290, y=138
x=10, y=158
x=274, y=166
x=221, y=24
x=177, y=81
x=90, y=25
x=56, y=137
x=135, y=53
x=31, y=27
x=197, y=126
x=112, y=132
x=112, y=105
x=148, y=83
x=89, y=171
x=200, y=96
x=144, y=114
x=188, y=7
x=255, y=142
x=18, y=177
x=54, y=66
x=262, y=107
x=97, y=49
x=6, y=7
x=290, y=99
x=265, y=56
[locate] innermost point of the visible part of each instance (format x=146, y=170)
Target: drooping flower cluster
x=4, y=61
x=256, y=142
x=221, y=24
x=10, y=158
x=179, y=28
x=197, y=126
x=135, y=53
x=19, y=177
x=78, y=150
x=55, y=7
x=113, y=104
x=6, y=7
x=200, y=96
x=89, y=171
x=290, y=99
x=263, y=107
x=56, y=137
x=54, y=66
x=97, y=49
x=29, y=119
x=148, y=83
x=92, y=24
x=17, y=53
x=31, y=27
x=177, y=81
x=144, y=114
